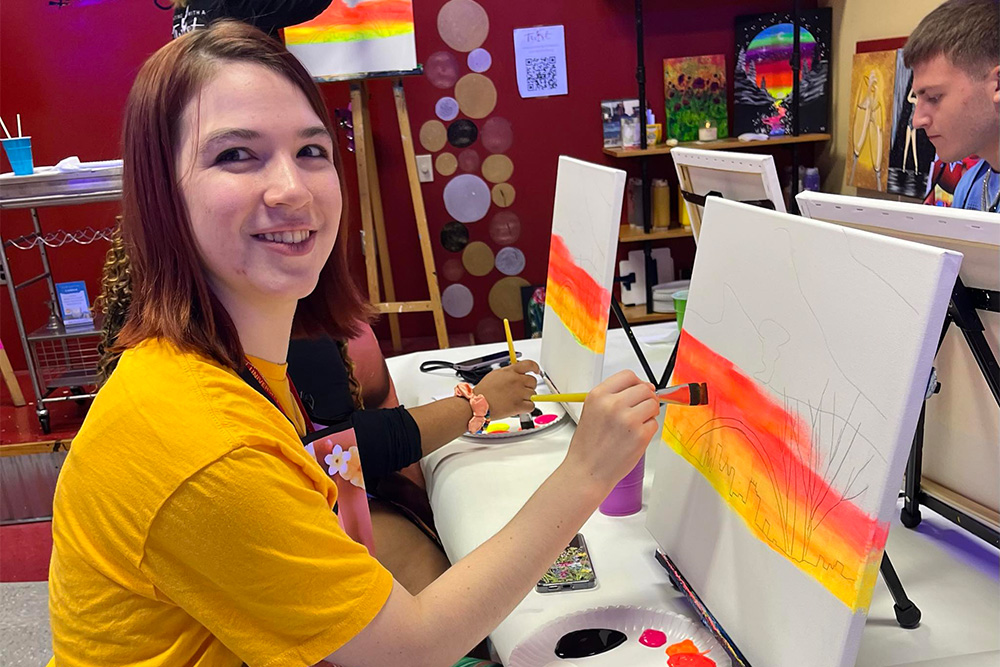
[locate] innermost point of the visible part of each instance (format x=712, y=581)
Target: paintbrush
x=692, y=393
x=526, y=420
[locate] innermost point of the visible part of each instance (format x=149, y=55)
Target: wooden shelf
x=718, y=145
x=638, y=315
x=629, y=234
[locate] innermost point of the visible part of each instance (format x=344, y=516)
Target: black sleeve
x=388, y=439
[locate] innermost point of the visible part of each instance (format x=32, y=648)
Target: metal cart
x=58, y=357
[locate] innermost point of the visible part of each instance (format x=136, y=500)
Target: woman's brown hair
x=170, y=297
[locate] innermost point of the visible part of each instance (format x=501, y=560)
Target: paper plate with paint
x=653, y=637
x=545, y=416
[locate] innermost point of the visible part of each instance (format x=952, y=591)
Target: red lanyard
x=274, y=399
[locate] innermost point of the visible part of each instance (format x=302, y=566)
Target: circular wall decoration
x=505, y=228
x=476, y=95
x=477, y=258
x=505, y=298
x=446, y=164
x=462, y=133
x=468, y=161
x=498, y=135
x=442, y=69
x=497, y=168
x=454, y=236
x=479, y=60
x=457, y=300
x=446, y=108
x=503, y=194
x=463, y=24
x=433, y=135
x=467, y=198
x=452, y=269
x=510, y=261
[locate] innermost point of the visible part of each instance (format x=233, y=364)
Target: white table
x=476, y=488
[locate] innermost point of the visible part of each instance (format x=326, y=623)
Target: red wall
x=68, y=70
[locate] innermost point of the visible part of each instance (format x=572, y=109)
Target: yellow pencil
x=510, y=341
x=579, y=397
x=692, y=393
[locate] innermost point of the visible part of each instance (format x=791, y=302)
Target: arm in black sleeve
x=388, y=440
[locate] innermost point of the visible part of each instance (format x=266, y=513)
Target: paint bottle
x=661, y=203
x=634, y=202
x=626, y=498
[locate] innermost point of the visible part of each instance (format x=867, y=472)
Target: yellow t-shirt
x=276, y=376
x=191, y=528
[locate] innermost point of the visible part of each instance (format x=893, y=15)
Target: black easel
x=965, y=302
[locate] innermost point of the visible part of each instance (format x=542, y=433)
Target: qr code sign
x=541, y=73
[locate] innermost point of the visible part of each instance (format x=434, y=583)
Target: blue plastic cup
x=19, y=153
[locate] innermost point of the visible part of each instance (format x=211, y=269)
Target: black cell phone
x=573, y=570
x=479, y=364
x=471, y=370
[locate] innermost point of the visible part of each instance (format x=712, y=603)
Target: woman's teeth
x=286, y=237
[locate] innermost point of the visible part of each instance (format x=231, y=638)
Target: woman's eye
x=314, y=150
x=233, y=155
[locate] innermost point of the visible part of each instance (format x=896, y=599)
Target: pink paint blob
x=541, y=420
x=653, y=638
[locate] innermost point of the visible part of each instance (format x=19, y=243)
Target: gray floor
x=25, y=639
x=953, y=576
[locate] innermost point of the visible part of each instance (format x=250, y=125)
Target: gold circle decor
x=477, y=258
x=433, y=135
x=446, y=164
x=463, y=24
x=505, y=298
x=503, y=194
x=476, y=95
x=497, y=168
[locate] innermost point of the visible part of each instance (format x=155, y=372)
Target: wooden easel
x=376, y=247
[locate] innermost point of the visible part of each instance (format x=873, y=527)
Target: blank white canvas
x=838, y=326
x=586, y=216
x=735, y=176
x=962, y=423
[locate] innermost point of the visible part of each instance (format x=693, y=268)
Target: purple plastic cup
x=626, y=497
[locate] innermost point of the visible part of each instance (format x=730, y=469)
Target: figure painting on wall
x=764, y=102
x=872, y=80
x=911, y=152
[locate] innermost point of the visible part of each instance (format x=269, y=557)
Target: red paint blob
x=653, y=638
x=541, y=420
x=690, y=660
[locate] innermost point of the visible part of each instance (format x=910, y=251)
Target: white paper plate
x=539, y=649
x=515, y=423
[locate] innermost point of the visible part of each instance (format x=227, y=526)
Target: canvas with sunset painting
x=581, y=272
x=354, y=39
x=763, y=102
x=774, y=500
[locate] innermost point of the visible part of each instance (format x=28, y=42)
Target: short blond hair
x=967, y=32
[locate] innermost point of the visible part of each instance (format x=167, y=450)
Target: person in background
x=190, y=525
x=267, y=15
x=955, y=57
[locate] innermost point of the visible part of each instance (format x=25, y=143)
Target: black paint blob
x=585, y=643
x=462, y=133
x=454, y=236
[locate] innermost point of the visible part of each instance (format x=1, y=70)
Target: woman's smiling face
x=258, y=181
